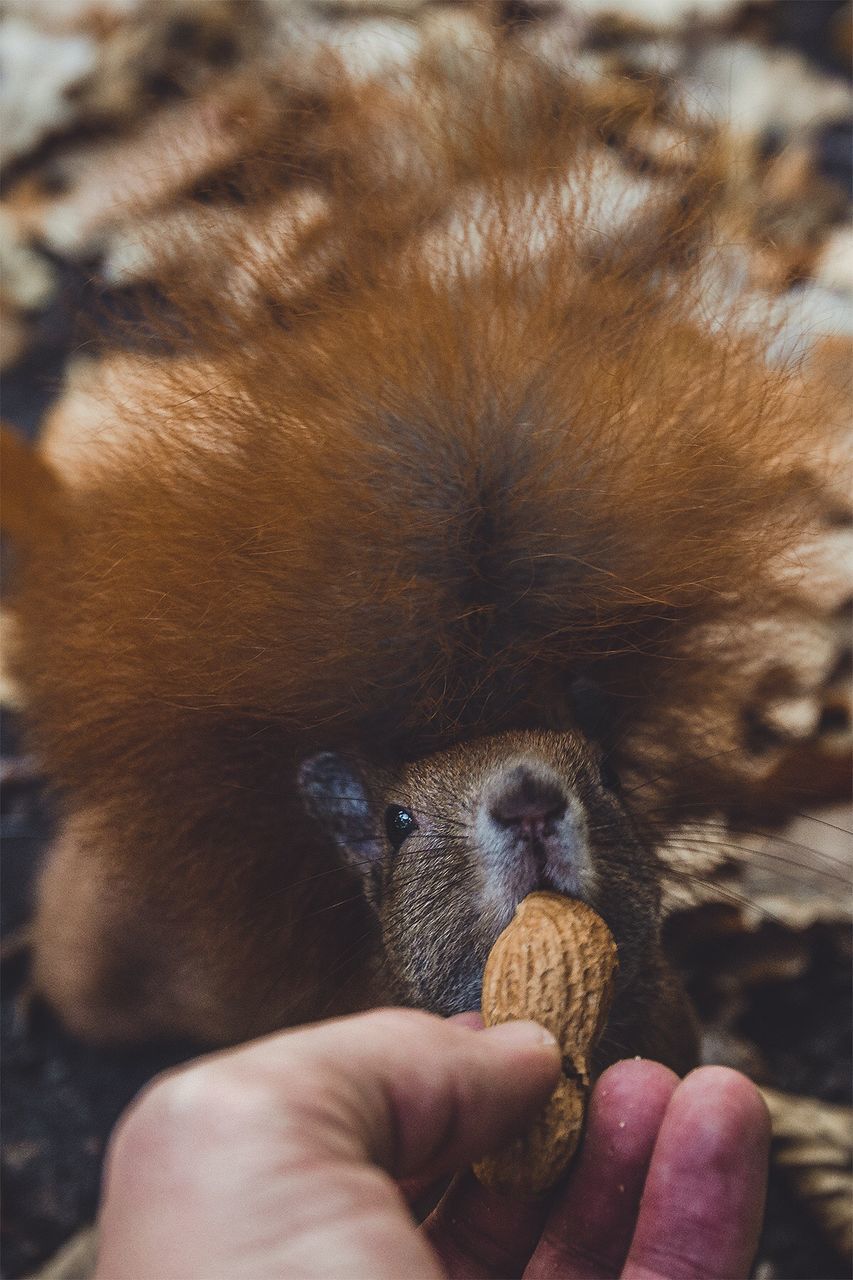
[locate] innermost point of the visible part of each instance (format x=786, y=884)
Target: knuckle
x=144, y=1131
x=187, y=1108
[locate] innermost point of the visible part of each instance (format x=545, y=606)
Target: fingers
x=689, y=1156
x=703, y=1203
x=588, y=1232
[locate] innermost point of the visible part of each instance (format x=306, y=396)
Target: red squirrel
x=345, y=631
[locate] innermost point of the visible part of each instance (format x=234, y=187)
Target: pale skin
x=296, y=1156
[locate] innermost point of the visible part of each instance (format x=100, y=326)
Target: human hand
x=278, y=1159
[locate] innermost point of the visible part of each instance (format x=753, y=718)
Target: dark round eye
x=610, y=779
x=399, y=823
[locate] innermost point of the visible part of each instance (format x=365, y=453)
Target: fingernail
x=522, y=1034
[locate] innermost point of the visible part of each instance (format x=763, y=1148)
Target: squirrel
x=348, y=622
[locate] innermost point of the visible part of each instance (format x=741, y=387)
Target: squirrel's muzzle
x=531, y=832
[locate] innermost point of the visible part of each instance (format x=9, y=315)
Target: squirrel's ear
x=32, y=499
x=334, y=793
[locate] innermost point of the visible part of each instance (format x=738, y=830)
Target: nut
x=555, y=962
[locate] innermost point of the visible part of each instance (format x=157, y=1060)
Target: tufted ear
x=335, y=794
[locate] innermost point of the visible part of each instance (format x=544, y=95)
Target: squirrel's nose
x=526, y=800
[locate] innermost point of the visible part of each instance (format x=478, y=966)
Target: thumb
x=415, y=1094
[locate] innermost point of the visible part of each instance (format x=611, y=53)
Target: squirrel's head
x=448, y=845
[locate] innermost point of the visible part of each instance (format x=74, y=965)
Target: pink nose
x=527, y=801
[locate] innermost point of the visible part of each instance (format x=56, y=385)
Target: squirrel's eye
x=399, y=823
x=610, y=779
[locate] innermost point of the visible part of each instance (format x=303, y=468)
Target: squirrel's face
x=447, y=846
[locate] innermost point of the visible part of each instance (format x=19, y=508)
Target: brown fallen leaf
x=813, y=1143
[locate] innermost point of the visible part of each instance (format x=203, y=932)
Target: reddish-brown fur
x=396, y=506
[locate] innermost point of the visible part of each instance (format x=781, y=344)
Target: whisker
x=676, y=873
x=353, y=957
x=817, y=859
x=688, y=764
x=824, y=822
x=687, y=801
x=757, y=857
x=342, y=902
x=714, y=824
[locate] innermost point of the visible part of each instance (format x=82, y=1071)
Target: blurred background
x=96, y=96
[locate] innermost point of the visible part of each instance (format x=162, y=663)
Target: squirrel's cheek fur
x=450, y=451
